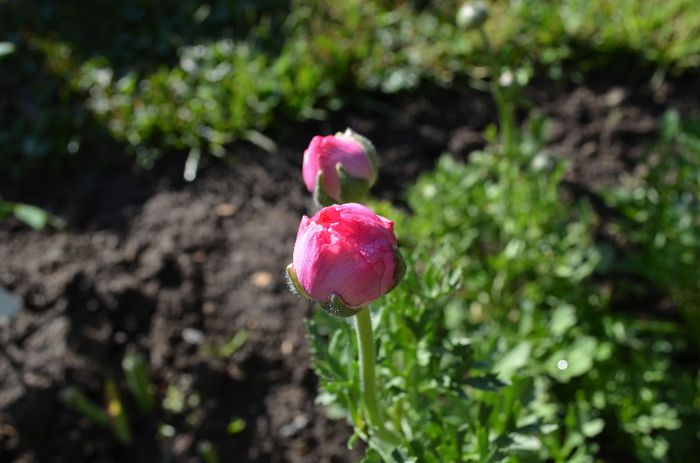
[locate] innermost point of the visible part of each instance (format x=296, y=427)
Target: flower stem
x=506, y=116
x=365, y=344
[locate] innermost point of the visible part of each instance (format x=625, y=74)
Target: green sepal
x=338, y=308
x=352, y=189
x=400, y=270
x=294, y=284
x=320, y=196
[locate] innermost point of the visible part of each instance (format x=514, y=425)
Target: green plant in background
x=228, y=348
x=113, y=415
x=162, y=411
x=32, y=216
x=139, y=382
x=502, y=343
x=505, y=342
x=509, y=339
x=660, y=204
x=208, y=73
x=477, y=262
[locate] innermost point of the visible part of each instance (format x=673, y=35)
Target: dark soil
x=170, y=270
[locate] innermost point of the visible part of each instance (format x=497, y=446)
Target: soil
x=173, y=271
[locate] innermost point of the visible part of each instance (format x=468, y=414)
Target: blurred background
x=150, y=192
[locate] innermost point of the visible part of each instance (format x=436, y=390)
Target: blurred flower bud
x=472, y=15
x=345, y=257
x=542, y=163
x=506, y=78
x=339, y=168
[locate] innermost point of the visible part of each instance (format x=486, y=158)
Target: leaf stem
x=365, y=344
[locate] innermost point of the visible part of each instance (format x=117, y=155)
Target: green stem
x=505, y=109
x=365, y=344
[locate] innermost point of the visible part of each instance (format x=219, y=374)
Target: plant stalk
x=505, y=109
x=365, y=344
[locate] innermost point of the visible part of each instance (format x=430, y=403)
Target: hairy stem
x=365, y=343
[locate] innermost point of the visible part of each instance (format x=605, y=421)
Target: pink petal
x=311, y=163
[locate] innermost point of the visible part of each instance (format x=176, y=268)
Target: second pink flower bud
x=339, y=168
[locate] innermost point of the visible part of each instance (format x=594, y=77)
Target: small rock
x=199, y=257
x=9, y=303
x=614, y=97
x=298, y=423
x=286, y=347
x=225, y=210
x=192, y=336
x=261, y=279
x=208, y=308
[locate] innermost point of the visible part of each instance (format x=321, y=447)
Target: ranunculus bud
x=339, y=168
x=345, y=257
x=472, y=15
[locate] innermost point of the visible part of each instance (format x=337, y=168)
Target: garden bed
x=175, y=271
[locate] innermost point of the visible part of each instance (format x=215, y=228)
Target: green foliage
x=594, y=33
x=33, y=216
x=661, y=208
x=138, y=380
x=76, y=400
x=502, y=343
x=227, y=349
x=207, y=452
x=193, y=76
x=167, y=409
x=119, y=420
x=114, y=414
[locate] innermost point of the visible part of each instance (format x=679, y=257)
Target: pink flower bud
x=339, y=168
x=345, y=257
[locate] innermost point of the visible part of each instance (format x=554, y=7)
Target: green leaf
x=563, y=318
x=174, y=400
x=138, y=381
x=235, y=426
x=513, y=360
x=227, y=349
x=485, y=383
x=6, y=48
x=118, y=418
x=76, y=400
x=36, y=217
x=593, y=428
x=33, y=216
x=575, y=360
x=208, y=452
x=232, y=345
